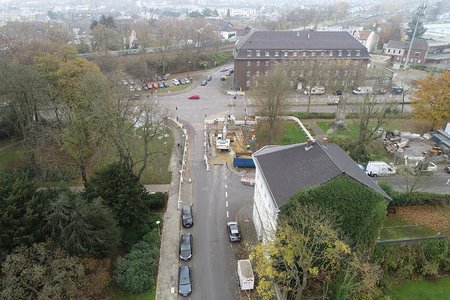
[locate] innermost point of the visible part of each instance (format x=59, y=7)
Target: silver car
x=233, y=232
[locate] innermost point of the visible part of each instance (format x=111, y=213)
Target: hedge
x=361, y=209
x=415, y=198
x=407, y=261
x=313, y=115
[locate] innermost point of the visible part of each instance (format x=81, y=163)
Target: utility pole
x=420, y=12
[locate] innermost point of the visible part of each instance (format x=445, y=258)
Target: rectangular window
x=323, y=53
x=249, y=53
x=393, y=51
x=258, y=63
x=285, y=54
x=267, y=53
x=277, y=54
x=313, y=53
x=249, y=63
x=265, y=73
x=267, y=63
x=295, y=53
x=339, y=52
x=358, y=52
x=257, y=73
x=247, y=83
x=349, y=52
x=331, y=52
x=248, y=73
x=304, y=53
x=258, y=53
x=389, y=50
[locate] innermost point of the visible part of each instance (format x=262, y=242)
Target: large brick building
x=257, y=53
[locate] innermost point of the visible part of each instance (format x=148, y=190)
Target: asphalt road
x=436, y=182
x=218, y=194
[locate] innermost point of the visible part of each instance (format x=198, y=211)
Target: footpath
x=167, y=283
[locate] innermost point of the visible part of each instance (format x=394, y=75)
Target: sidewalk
x=167, y=282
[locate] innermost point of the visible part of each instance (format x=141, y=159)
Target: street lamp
x=159, y=231
x=189, y=69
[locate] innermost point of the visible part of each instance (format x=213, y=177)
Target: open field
x=438, y=289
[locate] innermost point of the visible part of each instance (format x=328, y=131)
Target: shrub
x=415, y=198
x=157, y=200
x=135, y=271
x=313, y=115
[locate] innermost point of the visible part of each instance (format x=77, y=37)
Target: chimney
x=324, y=140
x=309, y=144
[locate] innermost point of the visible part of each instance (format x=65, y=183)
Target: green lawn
x=148, y=295
x=352, y=129
x=422, y=290
x=292, y=134
x=11, y=157
x=395, y=228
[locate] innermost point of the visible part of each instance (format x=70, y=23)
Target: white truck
x=245, y=275
x=379, y=168
x=222, y=143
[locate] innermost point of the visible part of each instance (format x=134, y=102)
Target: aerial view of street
x=214, y=150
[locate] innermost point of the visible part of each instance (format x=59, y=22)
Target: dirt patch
x=436, y=217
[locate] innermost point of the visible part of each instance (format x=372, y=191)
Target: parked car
x=333, y=100
x=315, y=90
x=182, y=81
x=155, y=85
x=161, y=85
x=229, y=72
x=380, y=91
x=158, y=77
x=233, y=232
x=194, y=97
x=209, y=78
x=204, y=82
x=425, y=166
x=186, y=246
x=165, y=76
x=447, y=169
x=397, y=90
x=337, y=92
x=184, y=281
x=166, y=84
x=186, y=80
x=175, y=82
x=186, y=216
x=223, y=78
x=223, y=69
x=363, y=90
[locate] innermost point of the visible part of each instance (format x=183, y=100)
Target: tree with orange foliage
x=431, y=102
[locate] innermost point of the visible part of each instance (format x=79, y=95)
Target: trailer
x=245, y=275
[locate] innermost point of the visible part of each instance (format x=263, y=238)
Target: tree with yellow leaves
x=431, y=102
x=306, y=246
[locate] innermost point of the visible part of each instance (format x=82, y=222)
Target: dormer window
x=349, y=52
x=313, y=53
x=267, y=53
x=277, y=53
x=285, y=54
x=339, y=52
x=295, y=53
x=358, y=52
x=258, y=53
x=249, y=53
x=331, y=52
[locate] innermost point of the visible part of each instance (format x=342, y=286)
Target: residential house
x=398, y=52
x=368, y=38
x=439, y=55
x=260, y=50
x=281, y=171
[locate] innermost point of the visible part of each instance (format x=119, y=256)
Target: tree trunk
x=82, y=165
x=301, y=288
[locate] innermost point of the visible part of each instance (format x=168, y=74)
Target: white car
x=186, y=80
x=223, y=69
x=426, y=166
x=175, y=82
x=363, y=90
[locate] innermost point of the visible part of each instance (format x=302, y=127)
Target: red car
x=194, y=97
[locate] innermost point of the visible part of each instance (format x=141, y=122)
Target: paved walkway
x=318, y=133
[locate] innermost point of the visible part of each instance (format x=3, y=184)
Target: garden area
x=421, y=290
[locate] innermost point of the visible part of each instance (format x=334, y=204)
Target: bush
x=135, y=272
x=415, y=198
x=157, y=200
x=404, y=261
x=313, y=115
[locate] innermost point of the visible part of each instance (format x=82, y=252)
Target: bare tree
x=270, y=94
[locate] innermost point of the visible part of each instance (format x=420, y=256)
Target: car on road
x=447, y=169
x=223, y=69
x=233, y=232
x=229, y=72
x=363, y=90
x=175, y=82
x=186, y=246
x=315, y=90
x=194, y=97
x=396, y=90
x=333, y=100
x=186, y=80
x=209, y=78
x=184, y=281
x=182, y=81
x=186, y=216
x=203, y=83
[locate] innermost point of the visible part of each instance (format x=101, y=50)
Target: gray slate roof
x=301, y=40
x=288, y=169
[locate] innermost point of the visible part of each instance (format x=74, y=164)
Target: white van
x=379, y=168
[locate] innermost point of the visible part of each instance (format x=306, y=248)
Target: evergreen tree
x=410, y=30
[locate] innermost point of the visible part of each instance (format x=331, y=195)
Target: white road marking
x=226, y=186
x=226, y=194
x=228, y=214
x=226, y=203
